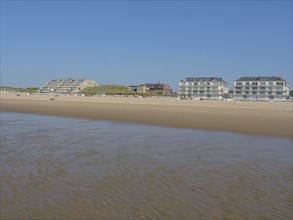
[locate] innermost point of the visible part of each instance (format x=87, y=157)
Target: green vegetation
x=111, y=90
x=12, y=89
x=107, y=89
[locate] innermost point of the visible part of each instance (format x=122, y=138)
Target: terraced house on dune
x=202, y=88
x=157, y=88
x=261, y=88
x=66, y=86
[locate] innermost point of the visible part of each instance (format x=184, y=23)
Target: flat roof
x=261, y=78
x=202, y=79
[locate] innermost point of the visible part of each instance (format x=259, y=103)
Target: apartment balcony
x=259, y=89
x=260, y=93
x=198, y=88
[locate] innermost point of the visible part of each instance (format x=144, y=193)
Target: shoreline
x=259, y=118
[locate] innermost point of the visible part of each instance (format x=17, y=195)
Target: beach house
x=66, y=86
x=202, y=88
x=261, y=88
x=156, y=88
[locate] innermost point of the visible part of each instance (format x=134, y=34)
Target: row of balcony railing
x=44, y=89
x=260, y=88
x=65, y=81
x=56, y=89
x=64, y=84
x=59, y=87
x=196, y=92
x=259, y=93
x=259, y=84
x=200, y=88
x=191, y=84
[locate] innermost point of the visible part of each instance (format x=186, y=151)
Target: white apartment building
x=261, y=88
x=202, y=88
x=66, y=86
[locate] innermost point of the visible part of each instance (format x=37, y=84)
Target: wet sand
x=66, y=168
x=265, y=118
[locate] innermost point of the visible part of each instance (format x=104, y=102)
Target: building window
x=262, y=92
x=262, y=88
x=238, y=92
x=254, y=88
x=247, y=83
x=238, y=88
x=254, y=83
x=279, y=83
x=262, y=83
x=254, y=92
x=271, y=83
x=239, y=83
x=279, y=93
x=247, y=88
x=246, y=92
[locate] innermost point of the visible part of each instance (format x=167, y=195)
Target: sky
x=135, y=42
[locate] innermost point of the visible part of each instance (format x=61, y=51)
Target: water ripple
x=66, y=168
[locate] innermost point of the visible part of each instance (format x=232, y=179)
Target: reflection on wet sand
x=67, y=168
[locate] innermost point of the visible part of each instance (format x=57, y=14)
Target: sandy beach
x=265, y=118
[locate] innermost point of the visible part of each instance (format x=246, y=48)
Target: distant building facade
x=260, y=88
x=66, y=86
x=158, y=88
x=202, y=87
x=291, y=94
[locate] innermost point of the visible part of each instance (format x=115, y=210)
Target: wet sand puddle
x=77, y=169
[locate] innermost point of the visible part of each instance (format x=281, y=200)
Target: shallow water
x=53, y=167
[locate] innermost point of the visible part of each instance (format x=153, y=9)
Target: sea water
x=64, y=168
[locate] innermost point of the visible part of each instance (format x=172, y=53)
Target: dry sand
x=266, y=118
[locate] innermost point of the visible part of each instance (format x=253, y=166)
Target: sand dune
x=266, y=118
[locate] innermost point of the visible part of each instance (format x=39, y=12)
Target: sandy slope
x=269, y=118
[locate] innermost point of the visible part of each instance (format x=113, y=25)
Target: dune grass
x=107, y=89
x=111, y=90
x=13, y=89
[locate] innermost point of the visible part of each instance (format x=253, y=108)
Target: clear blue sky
x=127, y=42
